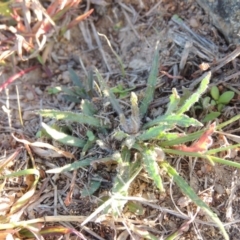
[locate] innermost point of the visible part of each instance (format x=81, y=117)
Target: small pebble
x=63, y=67
x=194, y=23
x=27, y=115
x=65, y=77
x=219, y=189
x=30, y=95
x=38, y=91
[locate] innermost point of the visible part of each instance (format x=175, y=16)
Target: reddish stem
x=16, y=76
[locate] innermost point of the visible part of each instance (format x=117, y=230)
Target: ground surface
x=133, y=28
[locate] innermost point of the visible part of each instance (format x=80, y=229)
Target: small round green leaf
x=215, y=92
x=226, y=97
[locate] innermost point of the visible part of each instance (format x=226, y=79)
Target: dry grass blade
x=7, y=160
x=45, y=145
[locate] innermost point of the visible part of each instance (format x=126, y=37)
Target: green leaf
x=54, y=90
x=195, y=96
x=121, y=91
x=220, y=107
x=120, y=135
x=73, y=166
x=43, y=132
x=171, y=135
x=108, y=93
x=69, y=91
x=135, y=208
x=224, y=124
x=71, y=116
x=206, y=102
x=189, y=192
x=173, y=103
x=185, y=95
x=180, y=120
x=5, y=9
x=189, y=137
x=211, y=116
x=70, y=98
x=113, y=100
x=63, y=137
x=215, y=92
x=88, y=108
x=155, y=132
x=226, y=97
x=75, y=79
x=151, y=166
x=151, y=83
x=213, y=103
x=92, y=188
x=222, y=161
x=127, y=172
x=90, y=142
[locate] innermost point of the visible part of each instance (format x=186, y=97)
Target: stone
x=225, y=16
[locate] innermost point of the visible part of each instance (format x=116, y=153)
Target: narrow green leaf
x=222, y=161
x=121, y=91
x=171, y=136
x=211, y=116
x=180, y=120
x=69, y=91
x=90, y=143
x=127, y=172
x=63, y=137
x=92, y=188
x=173, y=103
x=195, y=96
x=151, y=166
x=183, y=139
x=71, y=116
x=108, y=93
x=221, y=149
x=224, y=124
x=120, y=135
x=21, y=173
x=70, y=98
x=155, y=132
x=75, y=78
x=88, y=108
x=151, y=83
x=189, y=192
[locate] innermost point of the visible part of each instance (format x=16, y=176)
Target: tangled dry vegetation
x=119, y=120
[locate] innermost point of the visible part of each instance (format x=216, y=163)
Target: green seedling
x=214, y=104
x=120, y=91
x=143, y=147
x=80, y=90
